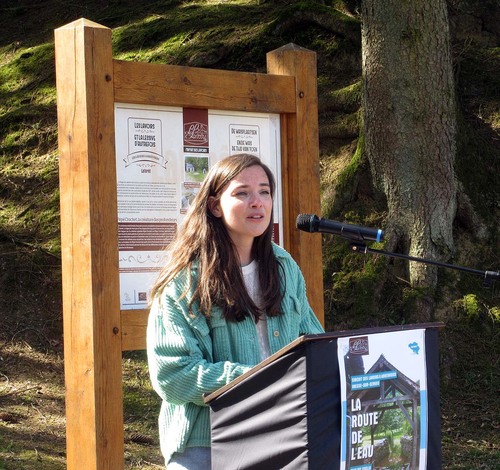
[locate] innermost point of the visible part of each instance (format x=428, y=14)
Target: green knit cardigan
x=189, y=355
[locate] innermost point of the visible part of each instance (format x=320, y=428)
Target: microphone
x=313, y=223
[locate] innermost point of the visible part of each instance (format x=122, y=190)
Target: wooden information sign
x=89, y=83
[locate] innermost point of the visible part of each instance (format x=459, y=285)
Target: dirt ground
x=32, y=414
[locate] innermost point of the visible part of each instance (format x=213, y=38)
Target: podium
x=330, y=401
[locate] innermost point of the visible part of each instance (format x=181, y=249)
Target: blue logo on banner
x=414, y=347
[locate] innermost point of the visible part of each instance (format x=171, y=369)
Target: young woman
x=227, y=299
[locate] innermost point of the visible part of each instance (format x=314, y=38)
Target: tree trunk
x=410, y=127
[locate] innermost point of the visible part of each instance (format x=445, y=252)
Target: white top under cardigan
x=251, y=278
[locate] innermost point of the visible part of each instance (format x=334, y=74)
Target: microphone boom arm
x=488, y=276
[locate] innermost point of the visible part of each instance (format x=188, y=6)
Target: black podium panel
x=284, y=416
x=433, y=400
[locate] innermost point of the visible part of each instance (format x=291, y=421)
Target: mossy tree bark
x=410, y=127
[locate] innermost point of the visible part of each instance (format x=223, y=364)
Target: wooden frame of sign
x=89, y=82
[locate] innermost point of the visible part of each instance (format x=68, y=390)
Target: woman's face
x=245, y=206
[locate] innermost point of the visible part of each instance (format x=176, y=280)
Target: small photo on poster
x=189, y=192
x=195, y=169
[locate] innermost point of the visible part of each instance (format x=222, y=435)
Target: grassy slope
x=232, y=35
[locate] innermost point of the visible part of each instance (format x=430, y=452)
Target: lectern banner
x=383, y=382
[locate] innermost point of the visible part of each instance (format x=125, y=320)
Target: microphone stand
x=488, y=276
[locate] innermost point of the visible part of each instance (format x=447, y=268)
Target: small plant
x=471, y=306
x=494, y=313
x=474, y=308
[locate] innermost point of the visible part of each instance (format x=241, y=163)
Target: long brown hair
x=204, y=240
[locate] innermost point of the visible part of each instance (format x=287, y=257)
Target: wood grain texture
x=134, y=323
x=173, y=85
x=89, y=235
x=300, y=165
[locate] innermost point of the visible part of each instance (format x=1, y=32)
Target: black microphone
x=313, y=223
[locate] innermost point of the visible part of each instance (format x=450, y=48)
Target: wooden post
x=89, y=235
x=300, y=165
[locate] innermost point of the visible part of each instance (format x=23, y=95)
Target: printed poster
x=162, y=157
x=384, y=401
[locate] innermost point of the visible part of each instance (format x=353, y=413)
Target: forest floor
x=32, y=411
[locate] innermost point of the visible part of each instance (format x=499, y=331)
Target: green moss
x=27, y=67
x=346, y=177
x=347, y=98
x=351, y=285
x=188, y=29
x=346, y=184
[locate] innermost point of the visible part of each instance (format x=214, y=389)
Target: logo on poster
x=359, y=345
x=144, y=144
x=195, y=133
